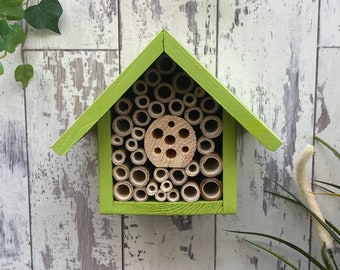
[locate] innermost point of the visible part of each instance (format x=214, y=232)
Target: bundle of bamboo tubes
x=166, y=139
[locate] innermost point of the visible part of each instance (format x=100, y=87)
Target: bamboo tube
x=176, y=107
x=160, y=174
x=156, y=109
x=166, y=186
x=116, y=140
x=140, y=194
x=211, y=165
x=205, y=145
x=152, y=188
x=140, y=88
x=170, y=142
x=152, y=77
x=160, y=196
x=164, y=92
x=211, y=189
x=131, y=145
x=193, y=169
x=178, y=176
x=122, y=125
x=141, y=118
x=209, y=105
x=193, y=115
x=189, y=100
x=118, y=157
x=121, y=172
x=190, y=191
x=211, y=126
x=173, y=195
x=199, y=92
x=138, y=157
x=139, y=176
x=142, y=102
x=122, y=191
x=165, y=65
x=182, y=83
x=138, y=133
x=123, y=106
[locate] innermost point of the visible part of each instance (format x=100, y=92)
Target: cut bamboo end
x=160, y=196
x=164, y=93
x=142, y=102
x=178, y=176
x=160, y=174
x=199, y=92
x=122, y=125
x=209, y=105
x=138, y=157
x=140, y=88
x=173, y=195
x=176, y=107
x=190, y=192
x=116, y=140
x=211, y=189
x=182, y=83
x=118, y=157
x=152, y=188
x=193, y=169
x=131, y=145
x=156, y=109
x=139, y=176
x=170, y=141
x=189, y=100
x=165, y=65
x=140, y=194
x=166, y=186
x=123, y=191
x=205, y=145
x=193, y=115
x=121, y=172
x=152, y=77
x=141, y=118
x=211, y=165
x=123, y=106
x=138, y=133
x=211, y=126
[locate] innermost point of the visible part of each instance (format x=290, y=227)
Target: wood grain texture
x=266, y=55
x=68, y=231
x=15, y=251
x=329, y=23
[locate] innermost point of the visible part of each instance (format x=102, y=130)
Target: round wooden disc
x=170, y=141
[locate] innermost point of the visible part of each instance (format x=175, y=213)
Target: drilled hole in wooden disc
x=170, y=141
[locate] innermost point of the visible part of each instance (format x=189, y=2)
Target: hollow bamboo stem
x=176, y=107
x=205, y=145
x=189, y=100
x=156, y=109
x=190, y=192
x=160, y=196
x=165, y=65
x=116, y=140
x=211, y=189
x=166, y=186
x=123, y=106
x=138, y=133
x=142, y=102
x=140, y=194
x=122, y=125
x=139, y=176
x=178, y=176
x=152, y=188
x=211, y=165
x=131, y=145
x=209, y=105
x=123, y=191
x=138, y=157
x=140, y=88
x=173, y=195
x=192, y=169
x=193, y=115
x=118, y=156
x=199, y=92
x=152, y=77
x=164, y=92
x=182, y=83
x=121, y=172
x=141, y=118
x=160, y=174
x=211, y=126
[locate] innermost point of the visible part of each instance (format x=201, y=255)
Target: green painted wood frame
x=227, y=205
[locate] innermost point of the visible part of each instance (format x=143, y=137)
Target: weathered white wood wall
x=281, y=58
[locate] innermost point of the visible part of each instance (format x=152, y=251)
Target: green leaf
x=19, y=36
x=336, y=153
x=329, y=184
x=1, y=69
x=11, y=9
x=23, y=73
x=45, y=15
x=324, y=256
x=7, y=36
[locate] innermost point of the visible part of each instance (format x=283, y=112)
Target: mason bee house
x=167, y=136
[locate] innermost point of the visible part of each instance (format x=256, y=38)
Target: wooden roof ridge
x=165, y=43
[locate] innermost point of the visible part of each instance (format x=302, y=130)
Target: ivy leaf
x=12, y=9
x=23, y=73
x=7, y=36
x=1, y=69
x=45, y=15
x=20, y=34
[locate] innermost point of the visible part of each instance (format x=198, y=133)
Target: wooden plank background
x=280, y=57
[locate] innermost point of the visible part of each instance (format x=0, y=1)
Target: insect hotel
x=167, y=136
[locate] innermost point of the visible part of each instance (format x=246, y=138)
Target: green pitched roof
x=164, y=42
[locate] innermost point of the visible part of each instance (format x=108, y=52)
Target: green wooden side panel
x=168, y=208
x=104, y=163
x=104, y=102
x=220, y=93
